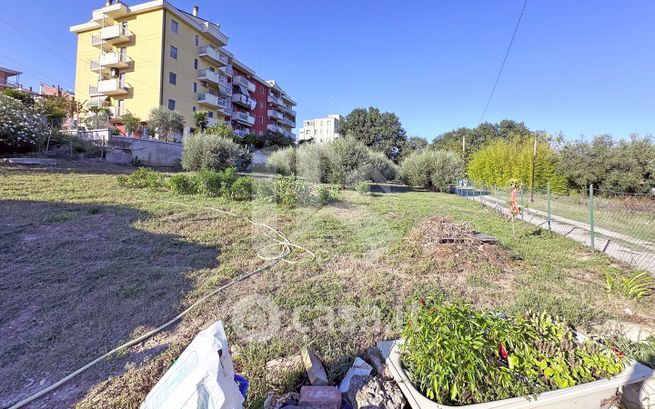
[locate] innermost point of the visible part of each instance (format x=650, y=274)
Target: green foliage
x=283, y=161
x=436, y=170
x=625, y=166
x=291, y=192
x=132, y=124
x=55, y=108
x=411, y=145
x=349, y=160
x=363, y=187
x=269, y=139
x=183, y=184
x=637, y=286
x=21, y=127
x=325, y=194
x=456, y=355
x=477, y=137
x=201, y=120
x=210, y=151
x=504, y=159
x=24, y=97
x=97, y=117
x=222, y=129
x=242, y=189
x=142, y=178
x=313, y=163
x=165, y=122
x=380, y=131
x=382, y=169
x=643, y=352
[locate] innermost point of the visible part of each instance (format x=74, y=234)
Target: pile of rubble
x=367, y=384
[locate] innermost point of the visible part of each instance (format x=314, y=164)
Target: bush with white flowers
x=22, y=127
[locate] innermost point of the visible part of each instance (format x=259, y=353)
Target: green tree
x=22, y=96
x=503, y=159
x=55, y=108
x=222, y=129
x=165, y=122
x=201, y=120
x=411, y=145
x=97, y=117
x=380, y=131
x=132, y=124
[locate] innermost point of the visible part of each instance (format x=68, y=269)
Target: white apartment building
x=320, y=130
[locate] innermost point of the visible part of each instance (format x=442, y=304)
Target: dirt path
x=636, y=252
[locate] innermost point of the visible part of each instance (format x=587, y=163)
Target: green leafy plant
x=142, y=178
x=363, y=188
x=183, y=184
x=210, y=151
x=636, y=286
x=242, y=189
x=457, y=355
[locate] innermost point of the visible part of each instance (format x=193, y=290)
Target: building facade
x=7, y=79
x=320, y=130
x=135, y=58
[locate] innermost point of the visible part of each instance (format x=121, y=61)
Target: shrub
x=501, y=160
x=142, y=178
x=382, y=168
x=283, y=161
x=325, y=194
x=208, y=151
x=456, y=355
x=363, y=187
x=166, y=122
x=242, y=189
x=436, y=170
x=291, y=192
x=348, y=160
x=215, y=183
x=21, y=126
x=183, y=184
x=313, y=163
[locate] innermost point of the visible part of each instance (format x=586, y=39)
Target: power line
x=500, y=72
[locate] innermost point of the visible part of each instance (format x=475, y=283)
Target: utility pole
x=463, y=145
x=534, y=161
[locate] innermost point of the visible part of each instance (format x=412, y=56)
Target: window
x=173, y=52
x=171, y=104
x=261, y=119
x=195, y=87
x=197, y=40
x=195, y=63
x=172, y=78
x=193, y=109
x=261, y=90
x=174, y=26
x=210, y=114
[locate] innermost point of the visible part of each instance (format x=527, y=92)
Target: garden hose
x=281, y=241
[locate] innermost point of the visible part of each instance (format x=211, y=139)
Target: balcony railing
x=243, y=118
x=275, y=114
x=111, y=35
x=274, y=128
x=208, y=75
x=111, y=60
x=244, y=82
x=228, y=71
x=241, y=132
x=112, y=86
x=243, y=100
x=211, y=100
x=275, y=100
x=212, y=53
x=288, y=122
x=8, y=84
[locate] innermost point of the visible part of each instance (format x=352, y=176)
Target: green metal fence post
x=549, y=213
x=591, y=217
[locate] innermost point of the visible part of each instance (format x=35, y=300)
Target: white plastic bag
x=202, y=377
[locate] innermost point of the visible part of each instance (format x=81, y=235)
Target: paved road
x=636, y=252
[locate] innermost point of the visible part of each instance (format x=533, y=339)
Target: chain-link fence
x=621, y=225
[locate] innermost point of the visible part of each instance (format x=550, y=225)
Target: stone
x=314, y=368
x=277, y=368
x=32, y=161
x=356, y=383
x=359, y=368
x=319, y=397
x=375, y=358
x=379, y=394
x=275, y=401
x=630, y=330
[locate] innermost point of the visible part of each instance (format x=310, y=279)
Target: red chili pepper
x=503, y=351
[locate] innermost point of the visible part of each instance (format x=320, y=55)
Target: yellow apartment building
x=135, y=58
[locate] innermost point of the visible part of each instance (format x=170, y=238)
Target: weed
x=142, y=178
x=183, y=184
x=636, y=286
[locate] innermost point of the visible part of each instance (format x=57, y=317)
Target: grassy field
x=87, y=265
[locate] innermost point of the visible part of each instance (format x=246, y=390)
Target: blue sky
x=577, y=67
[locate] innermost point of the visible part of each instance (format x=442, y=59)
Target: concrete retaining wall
x=150, y=152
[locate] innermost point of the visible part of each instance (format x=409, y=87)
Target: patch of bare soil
x=481, y=272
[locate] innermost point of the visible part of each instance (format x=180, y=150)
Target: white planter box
x=589, y=395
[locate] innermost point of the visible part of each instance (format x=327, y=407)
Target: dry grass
x=88, y=265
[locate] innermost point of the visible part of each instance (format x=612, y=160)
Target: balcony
x=243, y=118
x=275, y=114
x=111, y=60
x=244, y=101
x=274, y=128
x=209, y=76
x=211, y=53
x=7, y=84
x=289, y=111
x=241, y=132
x=288, y=122
x=112, y=86
x=228, y=70
x=214, y=31
x=212, y=121
x=110, y=12
x=213, y=101
x=240, y=80
x=275, y=100
x=111, y=35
